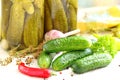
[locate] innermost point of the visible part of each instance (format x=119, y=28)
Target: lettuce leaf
x=105, y=44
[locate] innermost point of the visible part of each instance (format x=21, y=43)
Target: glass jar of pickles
x=61, y=15
x=24, y=22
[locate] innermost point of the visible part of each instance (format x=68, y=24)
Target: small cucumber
x=66, y=59
x=91, y=62
x=44, y=60
x=67, y=44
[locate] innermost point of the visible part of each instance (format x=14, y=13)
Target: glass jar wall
x=61, y=15
x=23, y=22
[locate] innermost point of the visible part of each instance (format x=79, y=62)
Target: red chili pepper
x=34, y=72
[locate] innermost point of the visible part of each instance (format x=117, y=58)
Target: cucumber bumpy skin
x=44, y=60
x=66, y=59
x=91, y=62
x=67, y=44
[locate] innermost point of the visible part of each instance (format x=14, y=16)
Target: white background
x=111, y=72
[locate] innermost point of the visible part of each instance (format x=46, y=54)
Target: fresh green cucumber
x=91, y=62
x=67, y=44
x=66, y=59
x=44, y=60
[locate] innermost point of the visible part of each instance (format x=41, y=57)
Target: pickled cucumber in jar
x=61, y=15
x=23, y=22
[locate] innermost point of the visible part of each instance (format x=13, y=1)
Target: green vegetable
x=67, y=44
x=91, y=62
x=66, y=59
x=44, y=60
x=117, y=43
x=105, y=44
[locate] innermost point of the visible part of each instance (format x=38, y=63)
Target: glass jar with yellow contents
x=61, y=15
x=23, y=22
